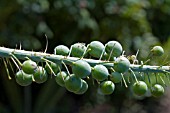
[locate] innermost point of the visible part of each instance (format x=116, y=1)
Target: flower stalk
x=39, y=56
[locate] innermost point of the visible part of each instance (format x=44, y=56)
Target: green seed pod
x=78, y=50
x=83, y=88
x=107, y=87
x=100, y=72
x=54, y=66
x=139, y=88
x=114, y=47
x=96, y=48
x=81, y=68
x=23, y=79
x=29, y=67
x=115, y=77
x=121, y=64
x=157, y=51
x=157, y=90
x=73, y=83
x=61, y=50
x=60, y=77
x=40, y=75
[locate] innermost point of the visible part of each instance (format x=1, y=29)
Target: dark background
x=136, y=24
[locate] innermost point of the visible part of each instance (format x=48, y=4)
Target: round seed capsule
x=157, y=51
x=78, y=50
x=96, y=48
x=29, y=67
x=60, y=77
x=23, y=79
x=139, y=88
x=73, y=83
x=100, y=72
x=121, y=64
x=114, y=47
x=157, y=90
x=83, y=88
x=40, y=75
x=81, y=69
x=61, y=50
x=115, y=77
x=107, y=87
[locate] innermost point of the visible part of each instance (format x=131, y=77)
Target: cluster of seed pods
x=74, y=78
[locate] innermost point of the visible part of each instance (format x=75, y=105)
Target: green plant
x=104, y=62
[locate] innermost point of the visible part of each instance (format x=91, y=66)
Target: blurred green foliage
x=136, y=24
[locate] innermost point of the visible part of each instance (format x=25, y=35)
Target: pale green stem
x=37, y=56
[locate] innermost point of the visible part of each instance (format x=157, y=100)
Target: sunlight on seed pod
x=157, y=90
x=61, y=50
x=121, y=64
x=157, y=51
x=114, y=48
x=78, y=50
x=96, y=49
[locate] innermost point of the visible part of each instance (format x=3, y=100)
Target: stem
x=110, y=52
x=162, y=80
x=85, y=52
x=9, y=77
x=20, y=64
x=50, y=68
x=124, y=81
x=66, y=68
x=102, y=53
x=37, y=56
x=70, y=51
x=15, y=63
x=11, y=66
x=134, y=75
